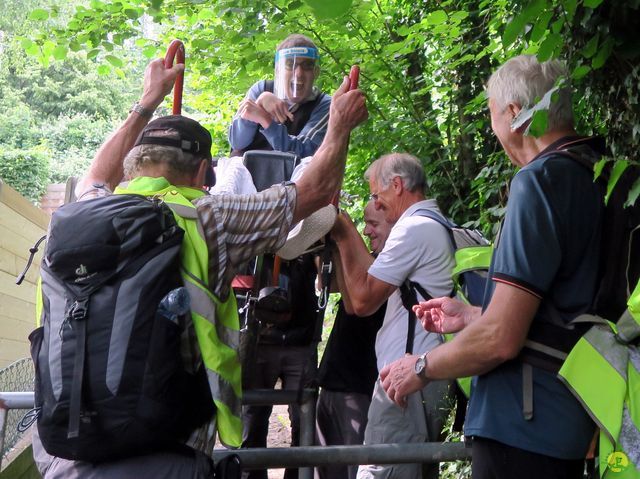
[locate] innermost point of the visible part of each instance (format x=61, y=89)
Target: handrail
x=302, y=456
x=176, y=51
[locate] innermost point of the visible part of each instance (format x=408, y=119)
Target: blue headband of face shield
x=307, y=52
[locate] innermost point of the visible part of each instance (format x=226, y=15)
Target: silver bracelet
x=142, y=111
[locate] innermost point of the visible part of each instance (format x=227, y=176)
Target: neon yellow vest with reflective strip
x=215, y=322
x=469, y=258
x=603, y=372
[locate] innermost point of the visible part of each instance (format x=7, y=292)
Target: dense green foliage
x=25, y=170
x=60, y=111
x=423, y=65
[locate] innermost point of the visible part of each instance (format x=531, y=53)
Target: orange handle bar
x=176, y=51
x=354, y=77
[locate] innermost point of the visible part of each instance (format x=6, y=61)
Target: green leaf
x=616, y=172
x=603, y=54
x=512, y=30
x=29, y=46
x=549, y=46
x=39, y=14
x=325, y=9
x=458, y=16
x=97, y=5
x=592, y=3
x=115, y=61
x=570, y=7
x=60, y=52
x=539, y=123
x=206, y=14
x=598, y=168
x=580, y=71
x=437, y=17
x=634, y=192
x=533, y=10
x=132, y=13
x=91, y=54
x=149, y=51
x=556, y=27
x=103, y=70
x=540, y=26
x=591, y=47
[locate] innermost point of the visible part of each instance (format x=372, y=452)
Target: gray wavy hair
x=524, y=80
x=178, y=162
x=404, y=165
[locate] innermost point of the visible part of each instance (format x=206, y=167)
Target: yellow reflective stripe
x=587, y=372
x=628, y=327
x=188, y=212
x=633, y=303
x=464, y=383
x=222, y=390
x=204, y=306
x=472, y=258
x=604, y=342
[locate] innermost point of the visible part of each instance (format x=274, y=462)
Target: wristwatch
x=421, y=366
x=142, y=111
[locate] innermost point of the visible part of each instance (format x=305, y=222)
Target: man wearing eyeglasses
x=288, y=113
x=419, y=250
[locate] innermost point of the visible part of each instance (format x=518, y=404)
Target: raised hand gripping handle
x=176, y=51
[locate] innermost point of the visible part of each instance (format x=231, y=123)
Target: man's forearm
x=355, y=261
x=323, y=177
x=107, y=164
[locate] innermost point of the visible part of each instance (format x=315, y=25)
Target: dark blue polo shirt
x=548, y=246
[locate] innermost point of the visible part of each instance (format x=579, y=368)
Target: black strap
x=311, y=368
x=409, y=298
x=184, y=145
x=77, y=316
x=33, y=250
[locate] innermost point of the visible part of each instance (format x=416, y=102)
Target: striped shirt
x=239, y=227
x=236, y=227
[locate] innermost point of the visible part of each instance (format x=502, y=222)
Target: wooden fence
x=21, y=225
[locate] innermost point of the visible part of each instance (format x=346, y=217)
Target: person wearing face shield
x=287, y=113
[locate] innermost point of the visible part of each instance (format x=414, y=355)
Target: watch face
x=419, y=366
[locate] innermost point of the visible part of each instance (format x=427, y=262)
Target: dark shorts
x=495, y=460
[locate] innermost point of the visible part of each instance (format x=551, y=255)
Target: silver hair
x=178, y=162
x=404, y=165
x=523, y=80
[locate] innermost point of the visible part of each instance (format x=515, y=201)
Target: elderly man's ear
x=198, y=179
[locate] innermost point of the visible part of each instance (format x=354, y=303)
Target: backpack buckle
x=79, y=309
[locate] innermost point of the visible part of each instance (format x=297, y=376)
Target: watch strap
x=140, y=110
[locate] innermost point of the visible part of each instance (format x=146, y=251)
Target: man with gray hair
x=418, y=250
x=170, y=158
x=524, y=422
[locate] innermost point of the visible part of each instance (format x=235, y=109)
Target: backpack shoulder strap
x=409, y=298
x=269, y=85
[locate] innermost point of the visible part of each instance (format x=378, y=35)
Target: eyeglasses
x=306, y=65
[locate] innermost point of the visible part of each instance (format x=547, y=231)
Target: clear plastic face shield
x=296, y=70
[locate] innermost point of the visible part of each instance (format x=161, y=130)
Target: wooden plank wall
x=21, y=225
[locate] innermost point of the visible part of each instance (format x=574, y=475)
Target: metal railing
x=18, y=376
x=305, y=456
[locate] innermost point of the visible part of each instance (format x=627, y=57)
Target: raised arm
x=366, y=293
x=323, y=177
x=106, y=167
